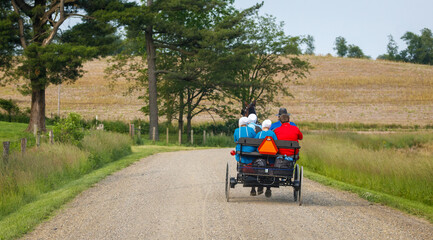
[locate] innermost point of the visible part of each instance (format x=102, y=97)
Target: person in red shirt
x=289, y=133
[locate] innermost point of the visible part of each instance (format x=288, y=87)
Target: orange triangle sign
x=268, y=146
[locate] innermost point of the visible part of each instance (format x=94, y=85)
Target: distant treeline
x=419, y=48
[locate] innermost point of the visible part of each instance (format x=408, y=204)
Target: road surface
x=180, y=195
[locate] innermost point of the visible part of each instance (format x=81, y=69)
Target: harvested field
x=337, y=90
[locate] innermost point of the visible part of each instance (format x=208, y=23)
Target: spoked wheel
x=227, y=183
x=301, y=177
x=296, y=177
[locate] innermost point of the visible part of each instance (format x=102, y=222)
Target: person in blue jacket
x=244, y=131
x=266, y=131
x=278, y=124
x=261, y=135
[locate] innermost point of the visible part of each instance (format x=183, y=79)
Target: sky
x=365, y=23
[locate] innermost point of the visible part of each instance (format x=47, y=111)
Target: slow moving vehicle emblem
x=268, y=146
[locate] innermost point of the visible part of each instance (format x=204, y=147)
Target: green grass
x=412, y=207
x=24, y=177
x=399, y=165
x=27, y=217
x=11, y=131
x=355, y=126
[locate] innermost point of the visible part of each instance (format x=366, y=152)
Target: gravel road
x=180, y=195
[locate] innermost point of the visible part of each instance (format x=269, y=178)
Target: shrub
x=69, y=130
x=116, y=126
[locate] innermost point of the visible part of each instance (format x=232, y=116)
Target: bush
x=69, y=130
x=116, y=126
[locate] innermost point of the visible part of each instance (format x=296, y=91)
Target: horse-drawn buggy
x=268, y=169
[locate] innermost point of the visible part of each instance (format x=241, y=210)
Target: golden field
x=336, y=90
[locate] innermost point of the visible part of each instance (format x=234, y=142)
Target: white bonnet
x=252, y=118
x=243, y=121
x=266, y=124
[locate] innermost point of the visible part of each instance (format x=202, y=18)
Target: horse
x=249, y=109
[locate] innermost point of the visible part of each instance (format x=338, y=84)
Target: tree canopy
x=31, y=49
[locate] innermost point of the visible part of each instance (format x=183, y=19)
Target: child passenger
x=265, y=130
x=261, y=135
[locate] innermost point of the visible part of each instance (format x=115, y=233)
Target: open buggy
x=283, y=173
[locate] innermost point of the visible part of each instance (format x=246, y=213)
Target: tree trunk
x=189, y=117
x=188, y=126
x=37, y=114
x=181, y=108
x=151, y=65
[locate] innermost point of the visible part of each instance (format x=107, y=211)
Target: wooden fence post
x=6, y=146
x=38, y=140
x=51, y=137
x=35, y=129
x=23, y=145
x=153, y=134
x=132, y=130
x=139, y=132
x=192, y=136
x=204, y=137
x=167, y=135
x=180, y=136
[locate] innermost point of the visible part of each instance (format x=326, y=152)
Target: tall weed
x=25, y=177
x=105, y=147
x=386, y=163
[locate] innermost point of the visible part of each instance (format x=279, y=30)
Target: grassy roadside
x=393, y=169
x=412, y=207
x=27, y=217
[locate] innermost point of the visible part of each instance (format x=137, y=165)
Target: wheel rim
x=227, y=183
x=300, y=185
x=296, y=178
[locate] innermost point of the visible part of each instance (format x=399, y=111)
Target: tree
x=267, y=60
x=341, y=46
x=181, y=31
x=355, y=52
x=42, y=59
x=392, y=50
x=309, y=42
x=419, y=47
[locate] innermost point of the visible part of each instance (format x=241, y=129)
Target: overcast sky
x=365, y=23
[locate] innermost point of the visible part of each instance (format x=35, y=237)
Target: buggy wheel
x=296, y=176
x=227, y=183
x=301, y=176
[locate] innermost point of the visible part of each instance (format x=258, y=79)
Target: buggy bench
x=285, y=171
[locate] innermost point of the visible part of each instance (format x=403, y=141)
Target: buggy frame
x=252, y=175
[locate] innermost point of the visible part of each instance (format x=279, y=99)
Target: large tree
x=341, y=46
x=419, y=47
x=39, y=58
x=181, y=31
x=268, y=60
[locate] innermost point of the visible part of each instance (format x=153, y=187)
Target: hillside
x=337, y=90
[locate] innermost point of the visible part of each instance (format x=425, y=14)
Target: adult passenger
x=252, y=123
x=244, y=131
x=288, y=132
x=278, y=123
